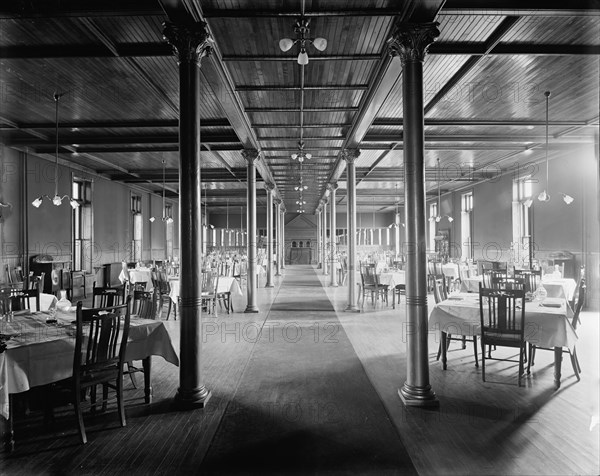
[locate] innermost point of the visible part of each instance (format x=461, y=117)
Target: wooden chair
x=100, y=345
x=224, y=299
x=240, y=271
x=107, y=296
x=489, y=275
x=22, y=299
x=440, y=293
x=502, y=282
x=579, y=300
x=531, y=277
x=371, y=285
x=210, y=283
x=580, y=280
x=143, y=306
x=502, y=322
x=164, y=292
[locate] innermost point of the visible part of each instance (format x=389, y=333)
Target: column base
x=190, y=399
x=269, y=285
x=333, y=285
x=413, y=396
x=351, y=308
x=278, y=274
x=251, y=309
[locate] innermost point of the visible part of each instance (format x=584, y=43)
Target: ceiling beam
x=126, y=139
x=314, y=87
x=315, y=57
x=297, y=109
x=479, y=122
x=351, y=12
x=530, y=49
x=172, y=123
x=475, y=138
x=517, y=7
x=78, y=8
x=294, y=126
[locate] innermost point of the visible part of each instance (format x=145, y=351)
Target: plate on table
x=550, y=304
x=455, y=298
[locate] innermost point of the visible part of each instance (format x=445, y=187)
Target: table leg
x=444, y=348
x=9, y=439
x=147, y=364
x=558, y=352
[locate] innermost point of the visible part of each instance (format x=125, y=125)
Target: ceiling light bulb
x=74, y=204
x=302, y=57
x=309, y=156
x=568, y=199
x=438, y=219
x=320, y=43
x=37, y=202
x=528, y=202
x=152, y=219
x=450, y=219
x=57, y=200
x=285, y=44
x=169, y=220
x=294, y=156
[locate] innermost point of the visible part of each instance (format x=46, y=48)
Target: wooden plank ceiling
x=484, y=83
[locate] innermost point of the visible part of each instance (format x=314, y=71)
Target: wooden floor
x=480, y=428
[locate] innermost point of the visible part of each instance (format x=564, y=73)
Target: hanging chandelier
x=57, y=199
x=395, y=224
x=165, y=217
x=302, y=30
x=439, y=217
x=301, y=156
x=545, y=196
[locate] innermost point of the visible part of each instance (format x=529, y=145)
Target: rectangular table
x=544, y=326
x=41, y=353
x=559, y=288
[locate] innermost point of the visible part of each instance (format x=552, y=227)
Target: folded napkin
x=550, y=304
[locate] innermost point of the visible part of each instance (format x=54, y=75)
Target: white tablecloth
x=43, y=353
x=470, y=285
x=545, y=326
x=138, y=276
x=559, y=287
x=226, y=284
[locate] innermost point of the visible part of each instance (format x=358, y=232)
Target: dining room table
x=547, y=323
x=225, y=284
x=36, y=351
x=138, y=275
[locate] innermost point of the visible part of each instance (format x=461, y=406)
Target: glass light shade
x=544, y=197
x=450, y=219
x=169, y=220
x=302, y=57
x=568, y=199
x=285, y=44
x=37, y=202
x=438, y=219
x=152, y=219
x=320, y=43
x=300, y=158
x=74, y=204
x=57, y=200
x=308, y=156
x=528, y=202
x=294, y=156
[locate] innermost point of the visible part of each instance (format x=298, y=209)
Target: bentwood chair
x=164, y=292
x=579, y=300
x=371, y=285
x=502, y=322
x=502, y=282
x=107, y=296
x=580, y=280
x=100, y=345
x=210, y=284
x=143, y=306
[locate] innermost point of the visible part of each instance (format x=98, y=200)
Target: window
x=522, y=221
x=82, y=226
x=136, y=228
x=466, y=226
x=433, y=212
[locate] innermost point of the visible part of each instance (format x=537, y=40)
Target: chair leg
x=475, y=350
x=439, y=352
x=131, y=374
x=120, y=403
x=79, y=415
x=169, y=309
x=482, y=360
x=464, y=342
x=529, y=364
x=104, y=397
x=575, y=365
x=576, y=359
x=521, y=364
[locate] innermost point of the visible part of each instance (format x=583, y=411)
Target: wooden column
x=269, y=188
x=410, y=42
x=251, y=155
x=350, y=156
x=278, y=203
x=190, y=43
x=397, y=232
x=332, y=187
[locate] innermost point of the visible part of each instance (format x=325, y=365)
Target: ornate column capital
x=332, y=187
x=350, y=155
x=269, y=187
x=250, y=155
x=277, y=202
x=283, y=209
x=190, y=42
x=411, y=41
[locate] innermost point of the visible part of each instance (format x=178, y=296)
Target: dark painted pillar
x=350, y=156
x=269, y=187
x=319, y=236
x=410, y=42
x=325, y=248
x=251, y=155
x=282, y=250
x=190, y=43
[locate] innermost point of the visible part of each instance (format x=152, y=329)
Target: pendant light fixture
x=56, y=200
x=165, y=217
x=396, y=224
x=301, y=156
x=439, y=217
x=545, y=196
x=302, y=30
